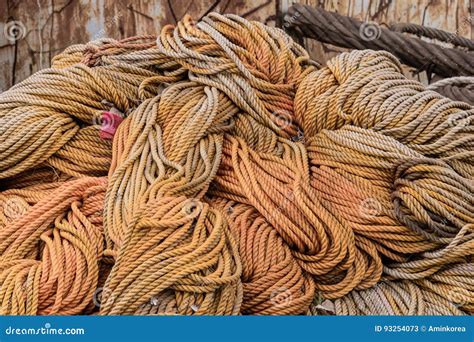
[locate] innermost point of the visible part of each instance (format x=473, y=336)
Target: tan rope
x=240, y=180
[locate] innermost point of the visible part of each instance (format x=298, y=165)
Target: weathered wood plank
x=48, y=26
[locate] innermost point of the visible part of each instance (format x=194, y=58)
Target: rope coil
x=335, y=29
x=243, y=179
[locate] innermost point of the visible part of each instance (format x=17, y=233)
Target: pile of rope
x=455, y=58
x=215, y=170
x=459, y=88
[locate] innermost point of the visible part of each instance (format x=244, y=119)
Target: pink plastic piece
x=110, y=122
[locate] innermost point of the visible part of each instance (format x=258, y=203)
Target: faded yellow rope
x=242, y=180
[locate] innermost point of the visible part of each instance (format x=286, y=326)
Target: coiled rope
x=459, y=88
x=240, y=180
x=51, y=247
x=433, y=33
x=394, y=298
x=333, y=28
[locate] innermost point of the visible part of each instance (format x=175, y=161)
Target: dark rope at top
x=332, y=28
x=433, y=33
x=456, y=88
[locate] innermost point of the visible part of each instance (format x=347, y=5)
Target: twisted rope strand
x=235, y=177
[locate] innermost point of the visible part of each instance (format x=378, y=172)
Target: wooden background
x=49, y=26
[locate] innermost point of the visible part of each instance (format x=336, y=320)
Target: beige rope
x=240, y=180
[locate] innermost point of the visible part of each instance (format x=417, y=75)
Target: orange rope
x=51, y=247
x=242, y=180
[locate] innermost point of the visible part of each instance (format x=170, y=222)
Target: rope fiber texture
x=335, y=29
x=432, y=33
x=241, y=179
x=459, y=88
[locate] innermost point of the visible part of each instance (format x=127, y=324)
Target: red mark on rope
x=109, y=123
